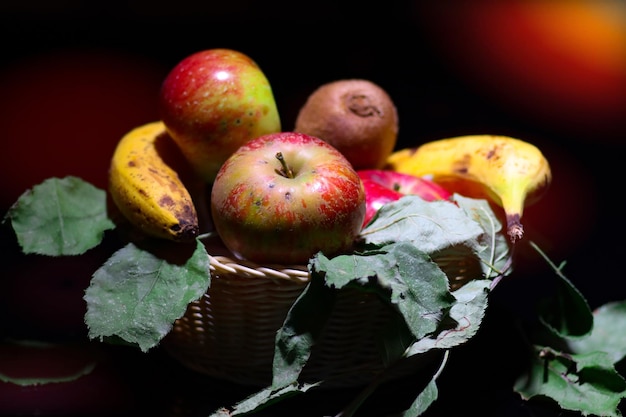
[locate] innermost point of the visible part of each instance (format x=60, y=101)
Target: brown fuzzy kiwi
x=356, y=116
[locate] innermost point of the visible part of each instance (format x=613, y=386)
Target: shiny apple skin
x=406, y=184
x=376, y=195
x=266, y=217
x=212, y=102
x=383, y=186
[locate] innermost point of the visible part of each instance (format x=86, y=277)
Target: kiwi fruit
x=356, y=116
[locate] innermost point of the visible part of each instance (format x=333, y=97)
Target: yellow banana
x=147, y=190
x=510, y=172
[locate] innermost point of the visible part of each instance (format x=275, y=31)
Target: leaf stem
x=557, y=269
x=361, y=397
x=351, y=409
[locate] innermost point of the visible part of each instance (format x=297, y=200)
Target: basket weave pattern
x=230, y=332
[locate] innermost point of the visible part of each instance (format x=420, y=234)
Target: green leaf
x=419, y=288
x=467, y=313
x=139, y=292
x=587, y=383
x=492, y=247
x=52, y=352
x=38, y=381
x=60, y=217
x=608, y=334
x=395, y=339
x=300, y=331
x=402, y=275
x=567, y=313
x=262, y=399
x=465, y=237
x=430, y=225
x=423, y=401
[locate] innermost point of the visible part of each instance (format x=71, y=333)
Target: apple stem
x=285, y=170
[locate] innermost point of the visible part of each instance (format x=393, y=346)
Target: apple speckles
x=307, y=198
x=227, y=101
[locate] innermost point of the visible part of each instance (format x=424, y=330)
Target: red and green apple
x=212, y=102
x=282, y=197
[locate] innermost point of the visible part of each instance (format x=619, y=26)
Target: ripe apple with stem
x=212, y=102
x=282, y=197
x=383, y=186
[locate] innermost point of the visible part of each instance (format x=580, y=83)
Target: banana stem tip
x=515, y=230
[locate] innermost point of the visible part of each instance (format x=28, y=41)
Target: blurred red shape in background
x=62, y=113
x=561, y=64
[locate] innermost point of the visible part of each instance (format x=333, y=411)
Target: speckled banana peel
x=147, y=191
x=511, y=172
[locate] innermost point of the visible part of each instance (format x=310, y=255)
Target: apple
x=282, y=197
x=376, y=195
x=406, y=183
x=383, y=186
x=212, y=102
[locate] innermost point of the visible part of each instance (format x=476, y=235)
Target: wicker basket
x=230, y=332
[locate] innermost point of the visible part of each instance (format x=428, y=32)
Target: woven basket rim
x=221, y=264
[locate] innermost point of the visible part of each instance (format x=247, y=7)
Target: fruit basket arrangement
x=287, y=259
x=230, y=332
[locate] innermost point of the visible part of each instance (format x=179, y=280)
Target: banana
x=147, y=190
x=510, y=172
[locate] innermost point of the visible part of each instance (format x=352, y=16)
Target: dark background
x=74, y=77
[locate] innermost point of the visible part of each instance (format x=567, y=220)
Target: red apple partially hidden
x=383, y=186
x=376, y=195
x=282, y=197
